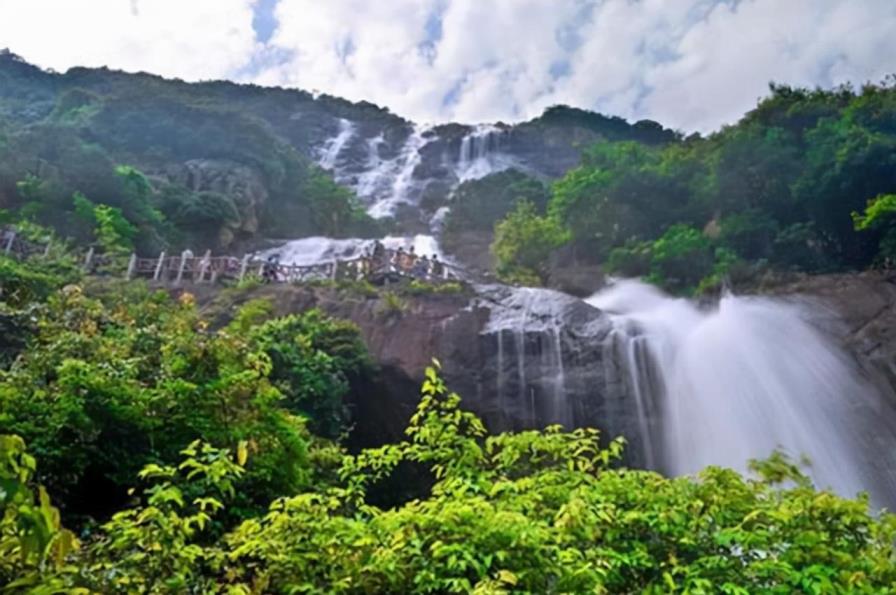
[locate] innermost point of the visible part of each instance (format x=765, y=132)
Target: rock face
x=240, y=183
x=860, y=309
x=526, y=358
x=519, y=358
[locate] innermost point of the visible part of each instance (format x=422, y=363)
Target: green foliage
x=778, y=189
x=479, y=204
x=878, y=213
x=314, y=361
x=524, y=242
x=73, y=131
x=630, y=260
x=535, y=511
x=391, y=305
x=114, y=233
x=544, y=512
x=108, y=386
x=418, y=287
x=335, y=209
x=32, y=539
x=158, y=547
x=680, y=258
x=24, y=283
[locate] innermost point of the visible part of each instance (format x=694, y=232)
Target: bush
x=524, y=242
x=315, y=360
x=108, y=386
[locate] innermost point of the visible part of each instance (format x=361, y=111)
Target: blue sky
x=691, y=64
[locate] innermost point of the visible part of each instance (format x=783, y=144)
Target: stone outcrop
x=526, y=358
x=520, y=358
x=242, y=184
x=860, y=310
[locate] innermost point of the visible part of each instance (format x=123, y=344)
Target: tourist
x=398, y=259
x=420, y=267
x=436, y=270
x=269, y=270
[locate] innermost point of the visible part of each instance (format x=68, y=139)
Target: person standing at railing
x=436, y=270
x=420, y=268
x=269, y=271
x=398, y=260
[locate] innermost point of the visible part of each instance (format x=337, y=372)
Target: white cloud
x=692, y=64
x=191, y=39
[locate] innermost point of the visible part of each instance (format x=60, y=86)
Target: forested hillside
x=805, y=181
x=192, y=439
x=208, y=167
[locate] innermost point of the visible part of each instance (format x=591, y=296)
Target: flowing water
x=333, y=147
x=480, y=154
x=385, y=184
x=744, y=378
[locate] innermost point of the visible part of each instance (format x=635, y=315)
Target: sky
x=693, y=65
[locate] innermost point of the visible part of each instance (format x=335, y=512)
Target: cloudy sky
x=690, y=64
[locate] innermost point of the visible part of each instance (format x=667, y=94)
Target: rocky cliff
x=524, y=358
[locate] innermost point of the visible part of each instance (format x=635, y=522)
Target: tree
x=880, y=215
x=109, y=385
x=524, y=241
x=680, y=258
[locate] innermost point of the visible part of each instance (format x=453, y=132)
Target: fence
x=186, y=267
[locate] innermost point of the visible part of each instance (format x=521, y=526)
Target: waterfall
x=745, y=378
x=333, y=147
x=386, y=184
x=480, y=153
x=528, y=327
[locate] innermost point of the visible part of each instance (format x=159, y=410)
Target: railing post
x=183, y=264
x=132, y=264
x=10, y=238
x=243, y=267
x=333, y=272
x=88, y=259
x=158, y=271
x=214, y=276
x=206, y=259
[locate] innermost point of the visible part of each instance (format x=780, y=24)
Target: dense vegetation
x=183, y=165
x=147, y=446
x=785, y=188
x=230, y=436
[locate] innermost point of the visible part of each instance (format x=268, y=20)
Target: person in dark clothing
x=269, y=271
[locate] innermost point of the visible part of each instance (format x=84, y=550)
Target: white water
x=333, y=147
x=745, y=378
x=523, y=314
x=386, y=184
x=480, y=154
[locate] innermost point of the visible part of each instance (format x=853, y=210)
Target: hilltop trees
x=778, y=189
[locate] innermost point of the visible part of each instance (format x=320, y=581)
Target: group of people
x=376, y=261
x=406, y=262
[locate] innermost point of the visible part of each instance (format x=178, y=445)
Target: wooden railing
x=186, y=267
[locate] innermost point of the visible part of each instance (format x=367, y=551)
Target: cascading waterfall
x=480, y=153
x=530, y=367
x=390, y=183
x=748, y=377
x=333, y=147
